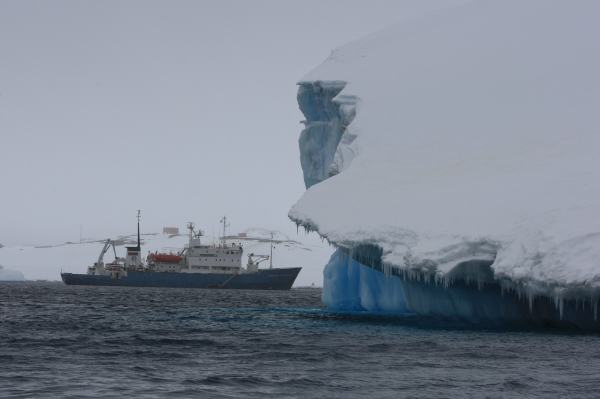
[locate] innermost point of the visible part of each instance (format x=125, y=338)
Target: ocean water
x=64, y=341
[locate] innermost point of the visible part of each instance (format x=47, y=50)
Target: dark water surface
x=59, y=341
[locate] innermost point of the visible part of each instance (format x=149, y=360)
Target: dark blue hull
x=266, y=279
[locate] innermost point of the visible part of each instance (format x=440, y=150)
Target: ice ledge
x=357, y=280
x=462, y=274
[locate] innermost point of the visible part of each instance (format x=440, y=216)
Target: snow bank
x=467, y=136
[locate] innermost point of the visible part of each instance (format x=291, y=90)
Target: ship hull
x=266, y=279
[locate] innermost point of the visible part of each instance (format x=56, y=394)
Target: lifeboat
x=165, y=258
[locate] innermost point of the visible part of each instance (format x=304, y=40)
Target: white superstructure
x=217, y=258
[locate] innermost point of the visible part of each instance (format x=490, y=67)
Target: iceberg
x=10, y=275
x=452, y=161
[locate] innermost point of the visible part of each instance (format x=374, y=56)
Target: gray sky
x=184, y=109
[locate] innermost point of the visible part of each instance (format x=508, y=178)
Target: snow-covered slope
x=468, y=135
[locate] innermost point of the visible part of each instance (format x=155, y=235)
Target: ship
x=197, y=265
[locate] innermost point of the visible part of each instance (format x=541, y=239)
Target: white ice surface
x=477, y=136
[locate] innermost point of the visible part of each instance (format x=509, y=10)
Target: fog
x=183, y=109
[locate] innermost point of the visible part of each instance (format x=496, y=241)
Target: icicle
x=561, y=307
x=531, y=299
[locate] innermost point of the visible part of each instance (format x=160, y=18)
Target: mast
x=225, y=225
x=271, y=257
x=190, y=227
x=139, y=247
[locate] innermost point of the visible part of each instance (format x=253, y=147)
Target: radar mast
x=225, y=224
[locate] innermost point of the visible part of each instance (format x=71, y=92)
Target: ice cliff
x=453, y=161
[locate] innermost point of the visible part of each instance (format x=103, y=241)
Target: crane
x=254, y=260
x=262, y=258
x=107, y=244
x=98, y=267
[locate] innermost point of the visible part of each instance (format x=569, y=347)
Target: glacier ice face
x=350, y=286
x=474, y=295
x=454, y=140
